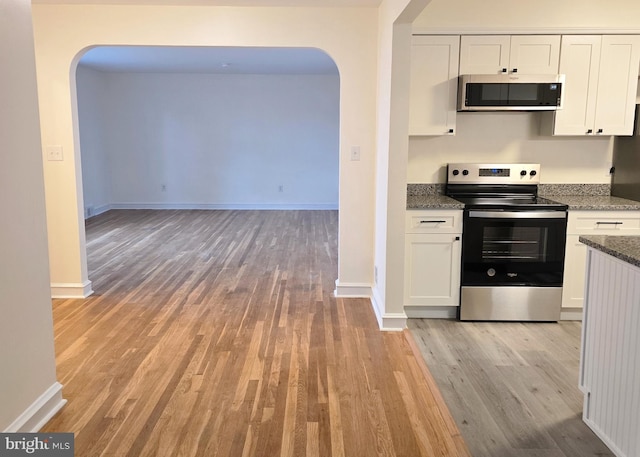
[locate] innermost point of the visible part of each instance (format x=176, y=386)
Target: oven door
x=513, y=248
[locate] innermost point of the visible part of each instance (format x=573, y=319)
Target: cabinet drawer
x=433, y=221
x=603, y=222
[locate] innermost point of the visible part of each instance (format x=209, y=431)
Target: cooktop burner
x=533, y=203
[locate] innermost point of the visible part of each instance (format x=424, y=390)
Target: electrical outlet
x=163, y=187
x=54, y=153
x=355, y=153
x=280, y=188
x=375, y=274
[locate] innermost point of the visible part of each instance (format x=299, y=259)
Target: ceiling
x=221, y=60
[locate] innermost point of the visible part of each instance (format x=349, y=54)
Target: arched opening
x=224, y=128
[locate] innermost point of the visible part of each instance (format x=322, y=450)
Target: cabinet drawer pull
x=609, y=223
x=432, y=222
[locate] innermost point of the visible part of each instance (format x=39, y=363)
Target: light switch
x=54, y=152
x=355, y=152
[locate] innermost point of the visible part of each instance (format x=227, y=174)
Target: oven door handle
x=519, y=214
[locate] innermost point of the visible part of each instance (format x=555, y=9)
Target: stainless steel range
x=513, y=243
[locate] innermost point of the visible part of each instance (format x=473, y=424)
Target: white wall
x=509, y=138
x=348, y=35
x=26, y=329
x=394, y=47
x=92, y=119
x=214, y=141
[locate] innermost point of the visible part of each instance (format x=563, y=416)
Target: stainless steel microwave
x=510, y=92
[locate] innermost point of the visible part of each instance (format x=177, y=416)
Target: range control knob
x=455, y=172
x=523, y=173
x=533, y=173
x=465, y=172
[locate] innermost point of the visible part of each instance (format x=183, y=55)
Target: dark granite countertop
x=626, y=248
x=585, y=197
x=595, y=202
x=433, y=201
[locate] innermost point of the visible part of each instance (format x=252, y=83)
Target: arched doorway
x=208, y=128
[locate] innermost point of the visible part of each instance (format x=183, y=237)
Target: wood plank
x=512, y=388
x=217, y=333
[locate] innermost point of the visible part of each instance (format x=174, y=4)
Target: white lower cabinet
x=575, y=258
x=589, y=223
x=433, y=243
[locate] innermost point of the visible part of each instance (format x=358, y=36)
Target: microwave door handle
x=518, y=214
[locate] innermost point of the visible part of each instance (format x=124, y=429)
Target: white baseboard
x=571, y=314
x=40, y=411
x=613, y=447
x=71, y=290
x=227, y=206
x=431, y=312
x=386, y=321
x=390, y=322
x=101, y=209
x=352, y=290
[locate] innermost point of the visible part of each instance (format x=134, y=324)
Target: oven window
x=514, y=251
x=517, y=244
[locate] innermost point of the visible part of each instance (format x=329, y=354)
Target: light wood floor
x=512, y=388
x=216, y=333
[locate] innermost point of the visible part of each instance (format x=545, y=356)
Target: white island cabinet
x=610, y=355
x=433, y=243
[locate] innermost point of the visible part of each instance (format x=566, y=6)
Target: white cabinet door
x=493, y=54
x=484, y=54
x=580, y=63
x=432, y=269
x=434, y=85
x=590, y=223
x=601, y=74
x=574, y=273
x=534, y=54
x=617, y=84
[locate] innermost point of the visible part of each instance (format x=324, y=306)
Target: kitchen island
x=610, y=355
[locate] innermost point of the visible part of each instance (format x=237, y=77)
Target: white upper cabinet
x=484, y=55
x=434, y=85
x=494, y=54
x=617, y=84
x=534, y=54
x=601, y=74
